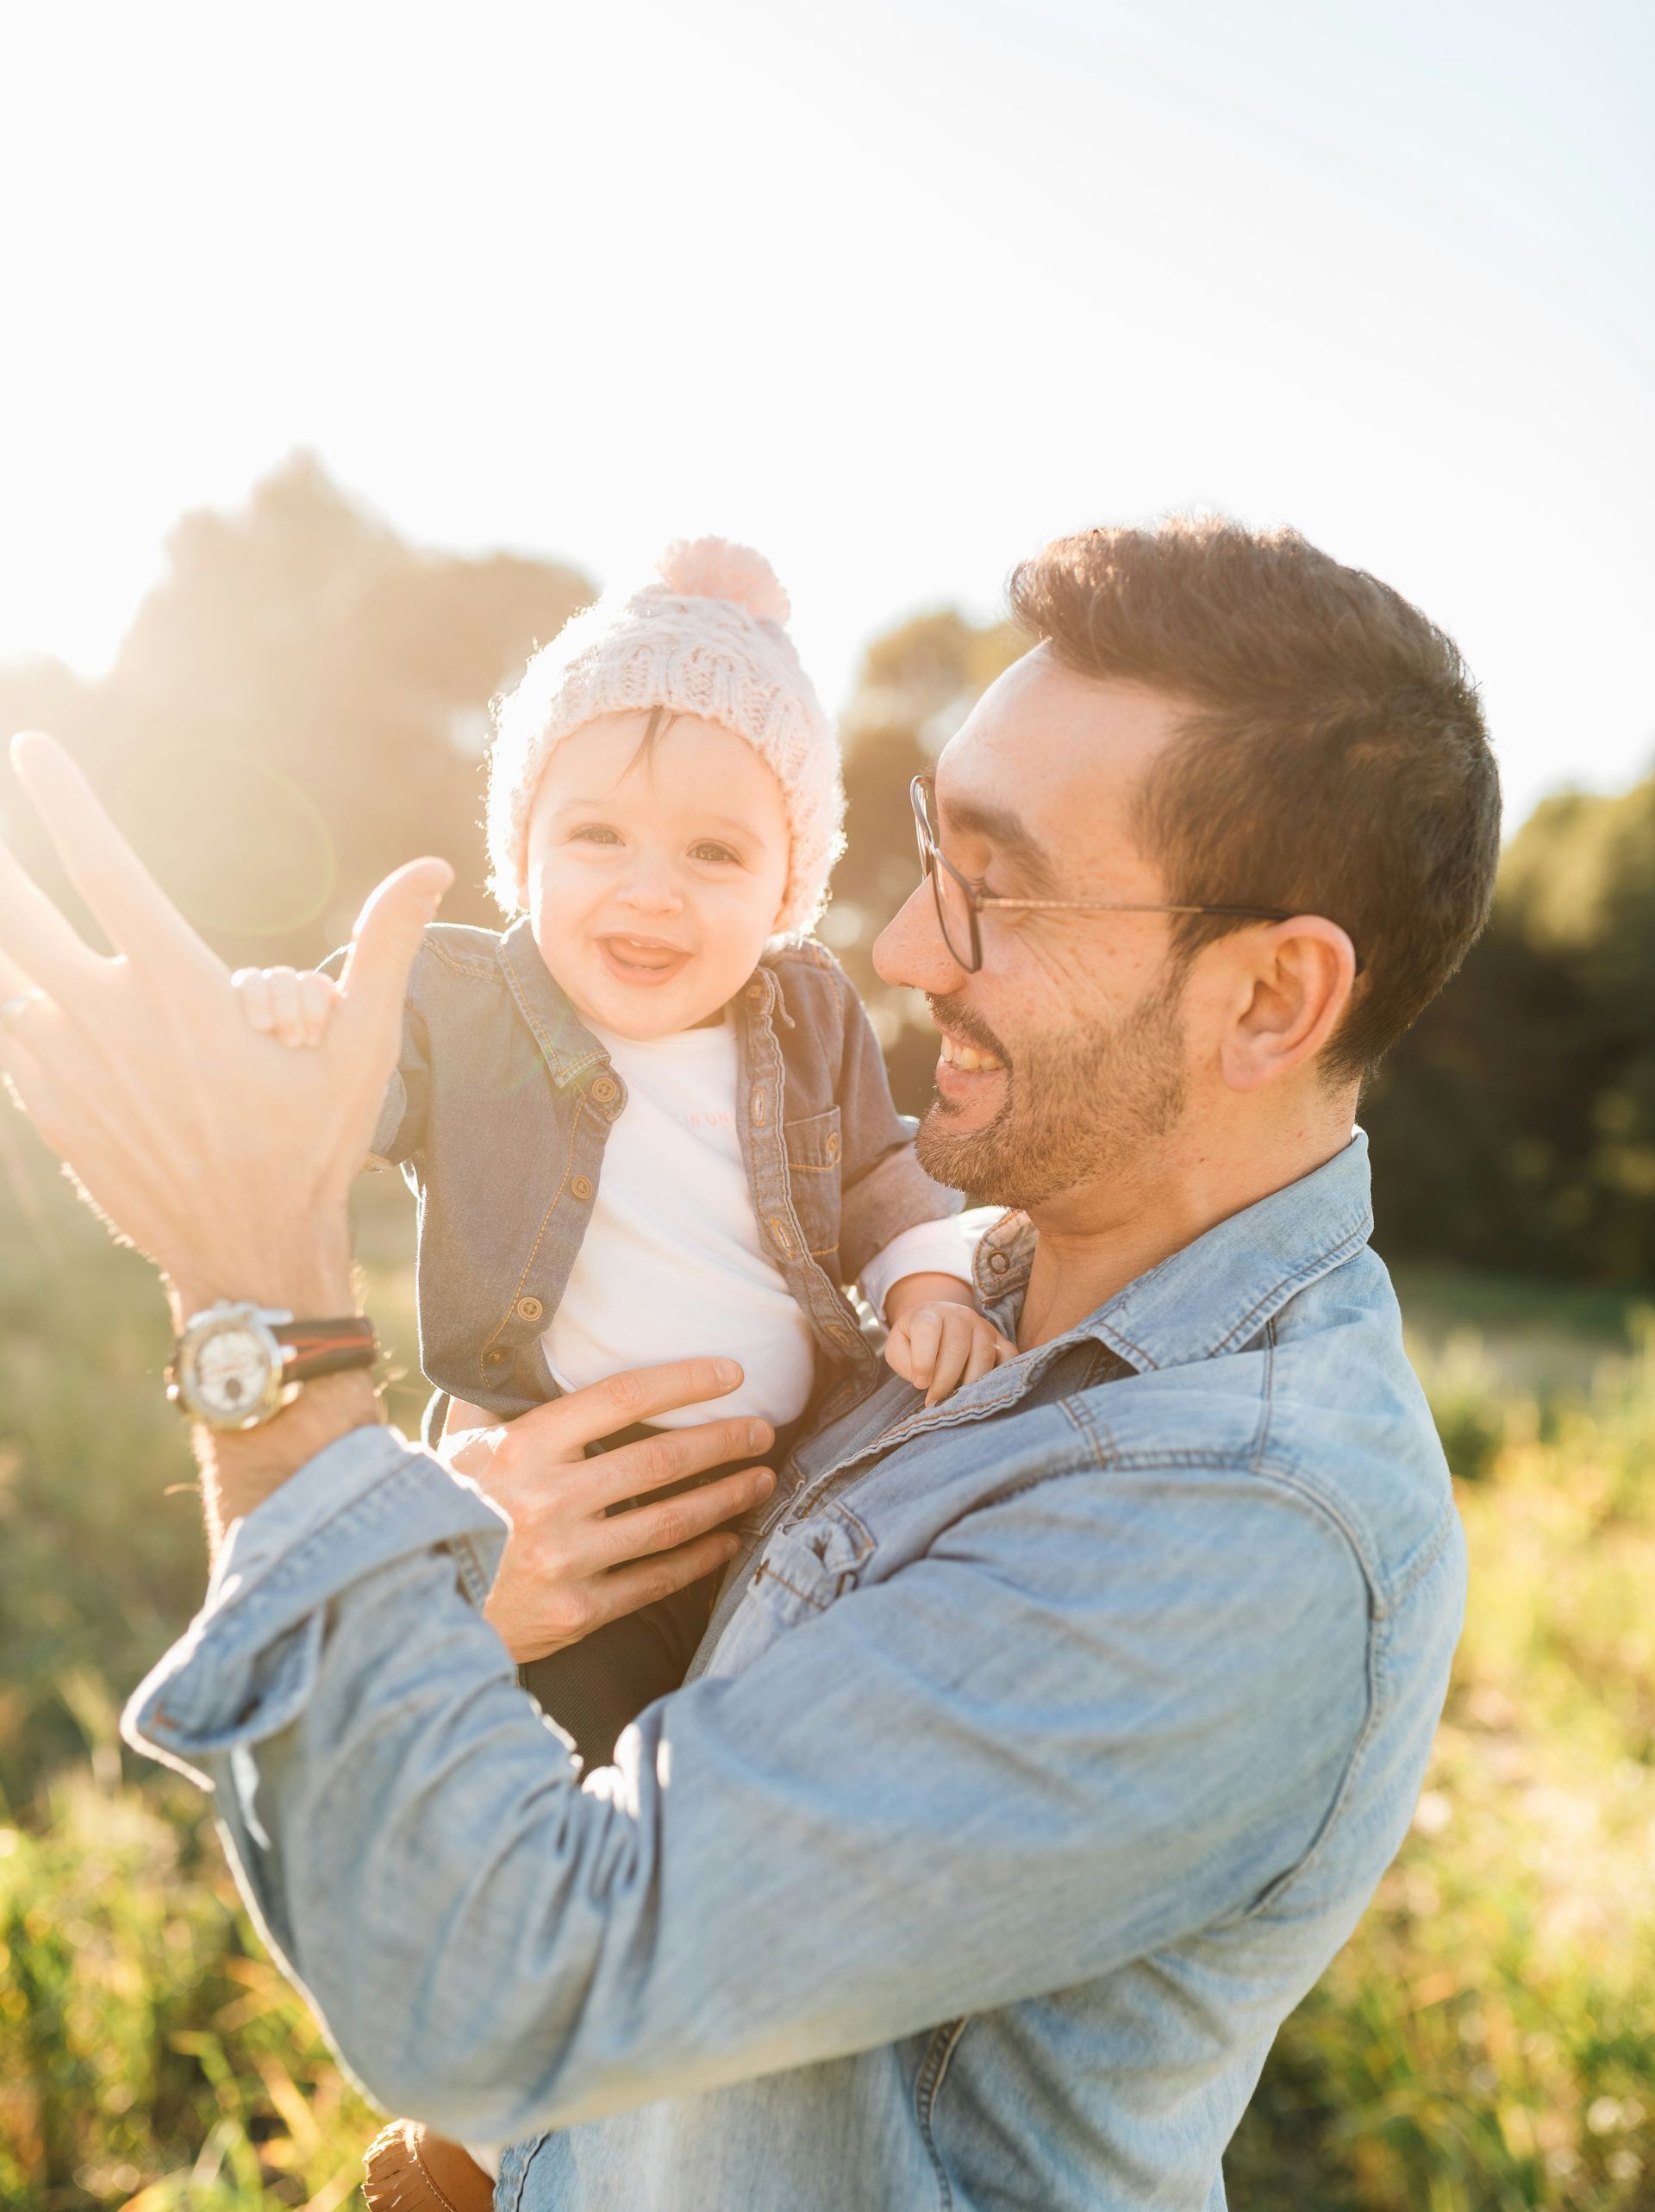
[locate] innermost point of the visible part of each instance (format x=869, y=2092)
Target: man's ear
x=1292, y=989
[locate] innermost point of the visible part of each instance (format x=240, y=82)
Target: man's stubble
x=1079, y=1107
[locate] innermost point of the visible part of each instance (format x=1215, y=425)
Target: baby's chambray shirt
x=500, y=1110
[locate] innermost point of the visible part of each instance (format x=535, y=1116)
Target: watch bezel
x=259, y=1323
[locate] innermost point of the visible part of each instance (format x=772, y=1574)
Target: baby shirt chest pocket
x=814, y=1144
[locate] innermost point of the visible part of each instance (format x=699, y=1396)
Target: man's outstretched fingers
x=25, y=1018
x=142, y=920
x=388, y=934
x=38, y=938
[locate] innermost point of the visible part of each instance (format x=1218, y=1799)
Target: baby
x=650, y=1121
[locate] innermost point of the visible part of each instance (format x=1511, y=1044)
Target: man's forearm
x=239, y=1468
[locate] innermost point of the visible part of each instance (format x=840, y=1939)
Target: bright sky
x=893, y=288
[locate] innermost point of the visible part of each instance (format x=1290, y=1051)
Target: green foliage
x=1515, y=1126
x=150, y=2054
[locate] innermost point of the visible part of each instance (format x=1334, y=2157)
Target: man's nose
x=910, y=949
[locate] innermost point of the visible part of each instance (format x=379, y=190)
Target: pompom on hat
x=705, y=637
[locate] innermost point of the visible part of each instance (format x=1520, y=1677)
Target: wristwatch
x=236, y=1366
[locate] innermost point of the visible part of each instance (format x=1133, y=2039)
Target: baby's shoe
x=407, y=2169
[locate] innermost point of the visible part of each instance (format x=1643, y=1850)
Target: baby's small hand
x=939, y=1346
x=294, y=1008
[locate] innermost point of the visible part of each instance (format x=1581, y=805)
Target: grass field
x=1486, y=2042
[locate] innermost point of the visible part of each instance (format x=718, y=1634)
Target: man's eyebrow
x=1005, y=831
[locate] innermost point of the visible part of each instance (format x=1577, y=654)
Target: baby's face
x=654, y=882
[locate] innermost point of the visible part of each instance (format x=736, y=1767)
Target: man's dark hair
x=1334, y=759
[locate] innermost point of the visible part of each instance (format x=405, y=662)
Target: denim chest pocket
x=814, y=1144
x=804, y=1568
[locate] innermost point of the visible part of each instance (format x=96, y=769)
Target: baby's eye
x=710, y=849
x=593, y=833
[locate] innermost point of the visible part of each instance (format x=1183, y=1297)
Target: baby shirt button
x=529, y=1310
x=581, y=1187
x=605, y=1088
x=756, y=988
x=493, y=1356
x=998, y=1261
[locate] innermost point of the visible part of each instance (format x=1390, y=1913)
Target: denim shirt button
x=581, y=1187
x=529, y=1310
x=999, y=1262
x=494, y=1355
x=605, y=1088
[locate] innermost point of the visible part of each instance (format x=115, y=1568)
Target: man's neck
x=1093, y=1241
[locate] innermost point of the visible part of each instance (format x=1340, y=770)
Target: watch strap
x=326, y=1347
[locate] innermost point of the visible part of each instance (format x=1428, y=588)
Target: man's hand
x=223, y=1156
x=570, y=1564
x=938, y=1339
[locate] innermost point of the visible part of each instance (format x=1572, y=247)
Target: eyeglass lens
x=954, y=915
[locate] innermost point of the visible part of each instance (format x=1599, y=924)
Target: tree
x=301, y=703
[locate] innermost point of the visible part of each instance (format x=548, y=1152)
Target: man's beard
x=1077, y=1107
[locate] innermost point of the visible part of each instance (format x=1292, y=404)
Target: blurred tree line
x=301, y=702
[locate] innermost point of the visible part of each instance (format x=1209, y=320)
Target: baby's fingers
x=924, y=1344
x=287, y=1000
x=318, y=995
x=971, y=1348
x=988, y=1349
x=252, y=987
x=292, y=1008
x=899, y=1354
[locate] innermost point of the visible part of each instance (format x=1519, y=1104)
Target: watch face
x=231, y=1374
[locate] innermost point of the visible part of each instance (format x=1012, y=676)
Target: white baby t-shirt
x=671, y=1265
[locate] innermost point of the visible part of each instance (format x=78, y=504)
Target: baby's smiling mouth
x=642, y=960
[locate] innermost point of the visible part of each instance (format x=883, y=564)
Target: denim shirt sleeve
x=883, y=1188
x=1069, y=1733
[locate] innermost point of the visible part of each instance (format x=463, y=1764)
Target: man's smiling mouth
x=958, y=1054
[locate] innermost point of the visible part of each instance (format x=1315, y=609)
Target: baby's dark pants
x=593, y=1689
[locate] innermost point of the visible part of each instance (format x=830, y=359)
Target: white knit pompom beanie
x=705, y=637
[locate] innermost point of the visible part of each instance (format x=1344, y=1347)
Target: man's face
x=1063, y=1060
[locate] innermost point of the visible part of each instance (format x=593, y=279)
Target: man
x=1044, y=1745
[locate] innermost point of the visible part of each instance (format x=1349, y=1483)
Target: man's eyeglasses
x=959, y=902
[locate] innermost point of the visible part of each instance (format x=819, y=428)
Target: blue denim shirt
x=499, y=1110
x=1044, y=1748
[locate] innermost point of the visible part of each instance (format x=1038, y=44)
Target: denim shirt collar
x=1216, y=1294
x=567, y=1046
